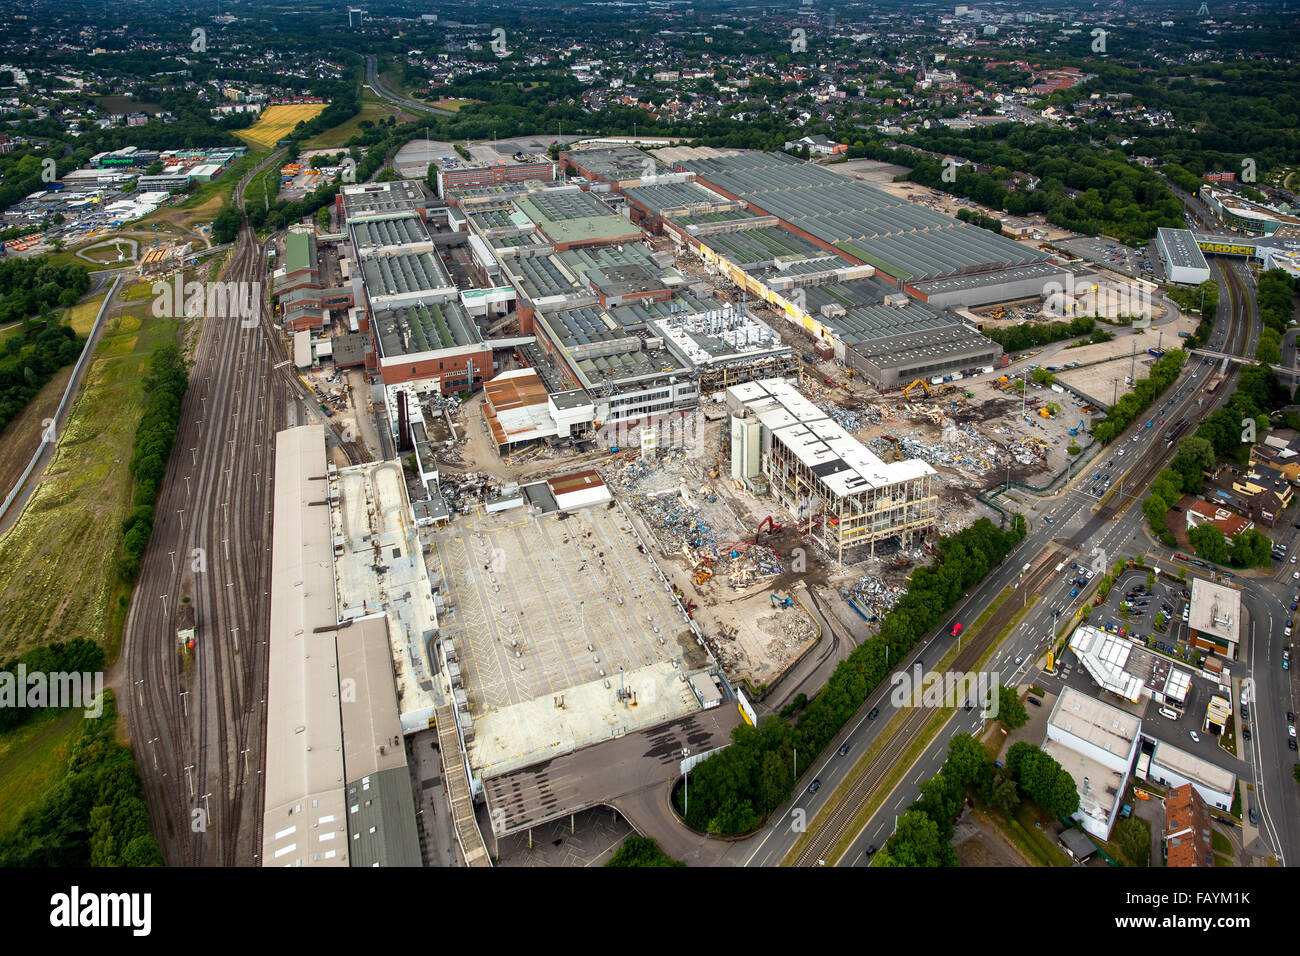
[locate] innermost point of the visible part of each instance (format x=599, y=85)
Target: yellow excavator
x=907, y=390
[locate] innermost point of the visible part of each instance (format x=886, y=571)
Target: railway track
x=1237, y=342
x=197, y=718
x=868, y=785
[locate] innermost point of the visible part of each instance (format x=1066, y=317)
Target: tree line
x=29, y=360
x=736, y=788
x=1017, y=338
x=78, y=656
x=1145, y=391
x=95, y=816
x=164, y=388
x=925, y=831
x=36, y=285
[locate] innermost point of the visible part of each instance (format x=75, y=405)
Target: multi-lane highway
x=372, y=79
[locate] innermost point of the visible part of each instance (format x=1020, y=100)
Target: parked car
x=1253, y=817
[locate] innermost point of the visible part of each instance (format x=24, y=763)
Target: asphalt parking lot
x=1114, y=255
x=1140, y=621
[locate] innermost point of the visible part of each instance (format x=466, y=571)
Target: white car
x=1295, y=575
x=1290, y=729
x=1121, y=453
x=1167, y=712
x=1194, y=736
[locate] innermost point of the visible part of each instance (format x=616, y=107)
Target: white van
x=1166, y=712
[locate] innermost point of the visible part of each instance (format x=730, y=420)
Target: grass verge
x=58, y=578
x=33, y=758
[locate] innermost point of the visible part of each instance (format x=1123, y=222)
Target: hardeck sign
x=1226, y=249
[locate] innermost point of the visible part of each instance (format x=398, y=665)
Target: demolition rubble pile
x=851, y=420
x=873, y=597
x=959, y=445
x=464, y=492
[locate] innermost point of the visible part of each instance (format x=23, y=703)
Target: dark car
x=1245, y=733
x=814, y=786
x=1290, y=743
x=1253, y=817
x=1035, y=701
x=875, y=712
x=871, y=850
x=1290, y=717
x=844, y=750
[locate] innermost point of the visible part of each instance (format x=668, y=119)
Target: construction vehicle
x=781, y=601
x=907, y=389
x=848, y=373
x=1044, y=413
x=898, y=453
x=703, y=575
x=1079, y=428
x=807, y=524
x=808, y=358
x=772, y=526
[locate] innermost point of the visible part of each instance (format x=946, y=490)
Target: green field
x=58, y=576
x=32, y=759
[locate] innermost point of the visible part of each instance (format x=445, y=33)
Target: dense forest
x=1080, y=187
x=35, y=285
x=29, y=360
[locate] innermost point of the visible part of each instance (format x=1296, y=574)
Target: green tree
x=1006, y=793
x=640, y=851
x=1134, y=840
x=1011, y=710
x=968, y=763
x=917, y=842
x=1048, y=784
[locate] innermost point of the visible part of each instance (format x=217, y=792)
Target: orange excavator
x=772, y=527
